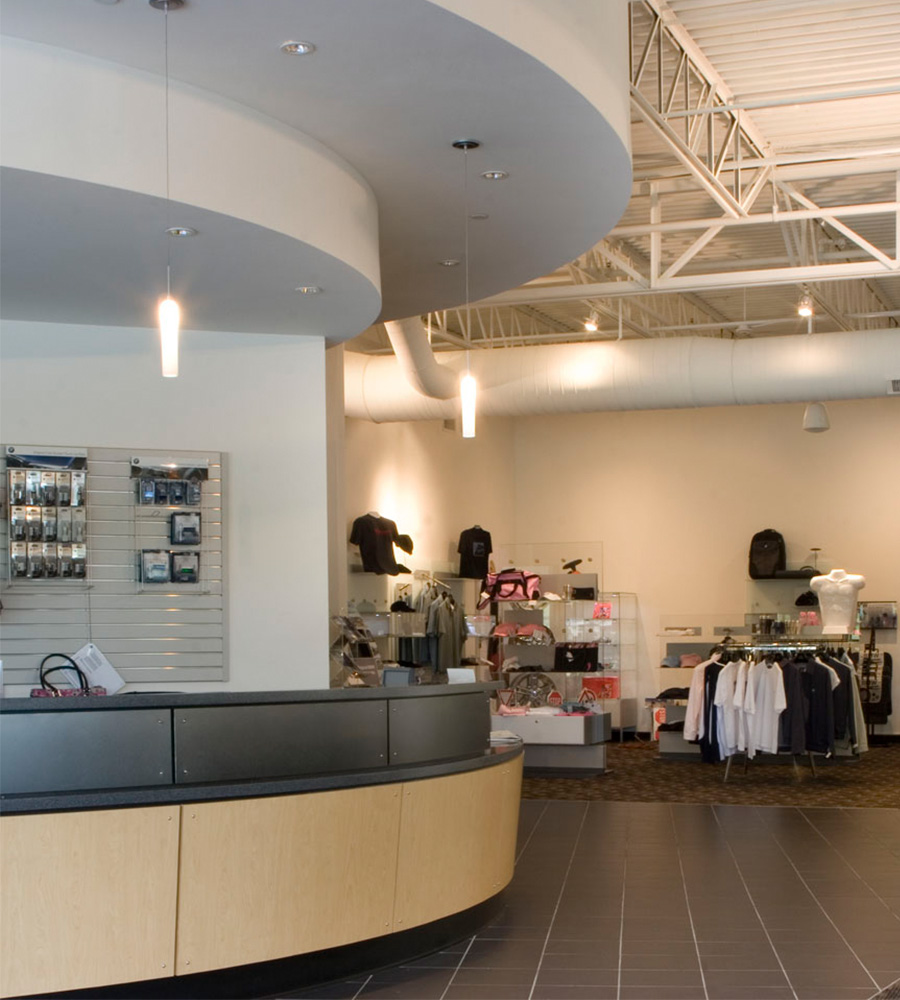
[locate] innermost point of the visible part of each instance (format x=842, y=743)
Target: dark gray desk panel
x=174, y=794
x=77, y=751
x=238, y=742
x=439, y=729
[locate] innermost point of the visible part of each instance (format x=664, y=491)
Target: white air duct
x=634, y=375
x=415, y=357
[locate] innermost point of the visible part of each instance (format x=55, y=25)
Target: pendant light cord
x=466, y=248
x=168, y=212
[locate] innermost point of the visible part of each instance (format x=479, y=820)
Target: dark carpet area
x=635, y=773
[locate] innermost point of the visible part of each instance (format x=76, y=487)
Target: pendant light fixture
x=468, y=387
x=169, y=310
x=815, y=418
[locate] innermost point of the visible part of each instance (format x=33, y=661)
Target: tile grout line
x=459, y=965
x=533, y=830
x=622, y=921
x=364, y=985
x=762, y=922
x=840, y=854
x=852, y=951
x=876, y=837
x=562, y=889
x=687, y=901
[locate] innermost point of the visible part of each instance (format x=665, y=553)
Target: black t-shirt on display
x=474, y=548
x=376, y=537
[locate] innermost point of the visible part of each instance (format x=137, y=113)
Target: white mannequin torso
x=837, y=600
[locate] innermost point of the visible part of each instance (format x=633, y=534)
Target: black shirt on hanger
x=376, y=537
x=474, y=548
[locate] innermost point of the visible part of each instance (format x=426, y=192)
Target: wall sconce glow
x=468, y=390
x=169, y=320
x=805, y=306
x=815, y=418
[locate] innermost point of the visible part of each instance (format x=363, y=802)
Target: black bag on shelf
x=767, y=554
x=576, y=657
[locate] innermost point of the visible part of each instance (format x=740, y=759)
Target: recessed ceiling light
x=495, y=175
x=181, y=231
x=449, y=262
x=298, y=48
x=308, y=289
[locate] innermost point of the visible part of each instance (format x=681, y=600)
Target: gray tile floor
x=647, y=901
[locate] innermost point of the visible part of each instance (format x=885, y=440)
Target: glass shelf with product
x=579, y=639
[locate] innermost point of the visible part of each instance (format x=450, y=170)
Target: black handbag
x=576, y=657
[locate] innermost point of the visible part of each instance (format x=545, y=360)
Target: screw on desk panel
x=164, y=965
x=187, y=961
x=184, y=770
x=184, y=720
x=159, y=722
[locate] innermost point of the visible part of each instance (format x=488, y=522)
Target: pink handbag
x=509, y=585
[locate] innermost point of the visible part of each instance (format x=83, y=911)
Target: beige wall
x=432, y=483
x=674, y=495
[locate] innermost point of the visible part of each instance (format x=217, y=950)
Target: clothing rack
x=425, y=577
x=793, y=645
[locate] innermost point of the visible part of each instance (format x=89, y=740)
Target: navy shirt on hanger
x=474, y=548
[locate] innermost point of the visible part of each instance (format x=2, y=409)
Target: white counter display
x=559, y=741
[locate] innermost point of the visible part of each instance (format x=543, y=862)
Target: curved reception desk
x=240, y=844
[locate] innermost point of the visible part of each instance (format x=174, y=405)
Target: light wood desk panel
x=87, y=898
x=457, y=842
x=268, y=878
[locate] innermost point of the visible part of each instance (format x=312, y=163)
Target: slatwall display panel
x=149, y=632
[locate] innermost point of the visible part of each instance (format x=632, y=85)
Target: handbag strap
x=72, y=665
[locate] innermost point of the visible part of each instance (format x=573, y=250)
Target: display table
x=285, y=837
x=561, y=742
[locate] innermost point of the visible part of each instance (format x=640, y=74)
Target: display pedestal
x=561, y=742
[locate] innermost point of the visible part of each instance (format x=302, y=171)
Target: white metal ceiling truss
x=724, y=230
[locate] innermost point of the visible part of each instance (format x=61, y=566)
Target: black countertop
x=178, y=699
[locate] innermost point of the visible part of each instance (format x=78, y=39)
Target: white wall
x=258, y=399
x=674, y=495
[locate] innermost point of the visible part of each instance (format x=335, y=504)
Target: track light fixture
x=592, y=324
x=805, y=305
